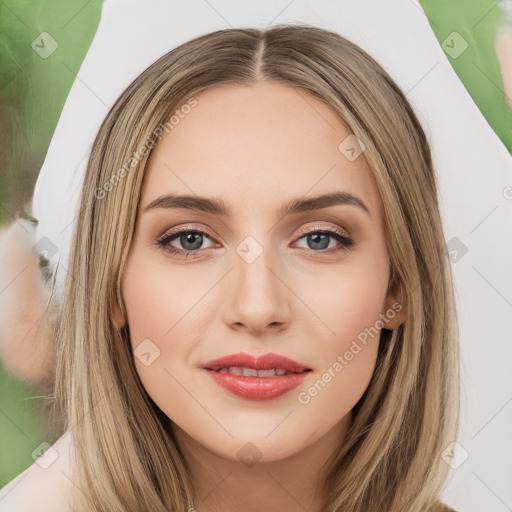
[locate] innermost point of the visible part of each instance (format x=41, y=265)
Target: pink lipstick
x=257, y=378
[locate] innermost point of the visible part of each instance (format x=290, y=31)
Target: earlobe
x=395, y=308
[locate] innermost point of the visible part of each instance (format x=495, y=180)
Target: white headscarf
x=472, y=165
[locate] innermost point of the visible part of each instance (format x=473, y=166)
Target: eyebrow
x=219, y=207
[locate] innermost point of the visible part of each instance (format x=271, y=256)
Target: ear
x=394, y=311
x=117, y=316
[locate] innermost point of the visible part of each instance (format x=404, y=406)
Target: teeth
x=267, y=373
x=251, y=372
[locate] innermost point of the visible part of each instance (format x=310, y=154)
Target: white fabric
x=472, y=165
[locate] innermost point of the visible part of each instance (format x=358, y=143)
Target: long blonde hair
x=391, y=458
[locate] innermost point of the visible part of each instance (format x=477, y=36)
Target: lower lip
x=258, y=388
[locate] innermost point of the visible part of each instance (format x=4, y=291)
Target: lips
x=268, y=361
x=257, y=378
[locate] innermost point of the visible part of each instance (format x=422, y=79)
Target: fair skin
x=257, y=148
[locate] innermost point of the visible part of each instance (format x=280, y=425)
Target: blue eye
x=318, y=239
x=192, y=241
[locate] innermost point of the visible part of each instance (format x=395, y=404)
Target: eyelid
x=315, y=228
x=343, y=238
x=302, y=232
x=184, y=228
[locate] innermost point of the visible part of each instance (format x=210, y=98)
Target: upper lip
x=263, y=362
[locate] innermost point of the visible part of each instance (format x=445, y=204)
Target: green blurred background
x=34, y=87
x=33, y=90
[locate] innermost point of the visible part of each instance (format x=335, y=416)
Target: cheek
x=161, y=316
x=348, y=302
x=159, y=300
x=167, y=318
x=348, y=334
x=336, y=388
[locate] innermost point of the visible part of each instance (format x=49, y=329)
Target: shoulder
x=46, y=486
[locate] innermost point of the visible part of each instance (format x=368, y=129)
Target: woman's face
x=306, y=282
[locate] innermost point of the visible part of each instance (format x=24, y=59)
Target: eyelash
x=163, y=242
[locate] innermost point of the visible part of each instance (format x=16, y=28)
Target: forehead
x=255, y=146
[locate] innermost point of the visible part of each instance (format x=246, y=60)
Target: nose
x=258, y=298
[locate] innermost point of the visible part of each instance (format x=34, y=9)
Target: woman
x=299, y=374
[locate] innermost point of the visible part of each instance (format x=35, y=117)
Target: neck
x=229, y=485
